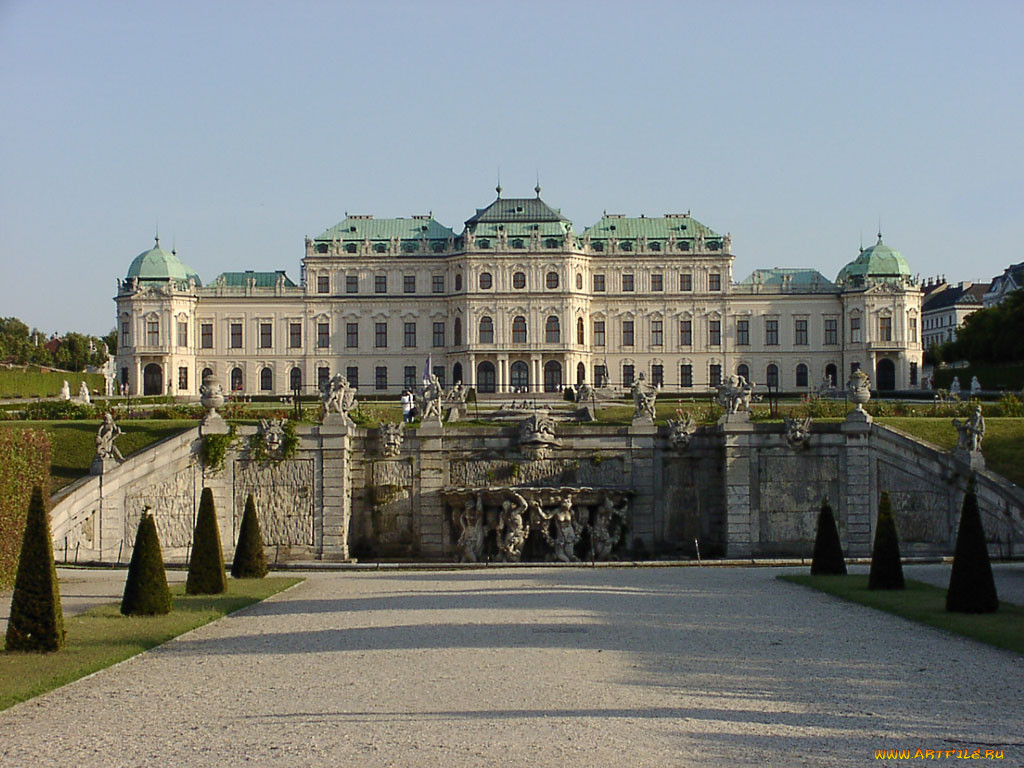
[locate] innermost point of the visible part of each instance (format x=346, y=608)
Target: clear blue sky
x=241, y=127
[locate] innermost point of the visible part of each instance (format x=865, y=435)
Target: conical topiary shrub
x=971, y=586
x=145, y=590
x=886, y=568
x=206, y=566
x=828, y=551
x=249, y=561
x=37, y=621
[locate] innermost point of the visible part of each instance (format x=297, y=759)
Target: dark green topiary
x=37, y=621
x=249, y=562
x=886, y=568
x=971, y=586
x=828, y=551
x=206, y=566
x=145, y=590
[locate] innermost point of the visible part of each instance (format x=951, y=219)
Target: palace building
x=517, y=301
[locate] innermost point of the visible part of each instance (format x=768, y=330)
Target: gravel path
x=545, y=667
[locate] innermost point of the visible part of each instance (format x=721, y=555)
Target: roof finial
x=879, y=229
x=498, y=187
x=156, y=236
x=537, y=188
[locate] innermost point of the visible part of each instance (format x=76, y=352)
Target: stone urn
x=859, y=388
x=211, y=395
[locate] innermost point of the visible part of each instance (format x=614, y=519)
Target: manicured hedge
x=24, y=462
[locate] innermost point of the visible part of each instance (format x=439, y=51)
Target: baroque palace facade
x=518, y=301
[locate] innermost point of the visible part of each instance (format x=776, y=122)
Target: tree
x=145, y=590
x=206, y=566
x=249, y=561
x=992, y=335
x=828, y=551
x=111, y=341
x=971, y=586
x=76, y=351
x=886, y=568
x=37, y=621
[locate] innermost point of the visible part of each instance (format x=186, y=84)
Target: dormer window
x=350, y=248
x=321, y=248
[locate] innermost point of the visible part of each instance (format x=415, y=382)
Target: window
x=579, y=281
x=294, y=335
x=627, y=375
x=352, y=374
x=236, y=335
x=657, y=282
x=854, y=367
x=486, y=330
x=323, y=335
x=409, y=376
x=153, y=332
x=182, y=378
x=627, y=333
x=714, y=375
x=236, y=380
x=519, y=280
x=125, y=326
x=657, y=333
x=457, y=332
x=266, y=380
x=772, y=376
x=579, y=330
x=295, y=379
x=885, y=328
x=801, y=375
x=685, y=282
x=912, y=327
x=409, y=284
x=458, y=282
x=714, y=282
x=519, y=330
x=831, y=331
x=913, y=372
x=520, y=378
x=600, y=375
x=380, y=335
x=517, y=243
x=552, y=280
x=685, y=333
x=715, y=333
x=627, y=283
x=266, y=335
x=437, y=284
x=380, y=377
x=380, y=283
x=771, y=333
x=438, y=370
x=182, y=333
x=438, y=336
x=742, y=333
x=800, y=332
x=352, y=335
x=323, y=284
x=205, y=336
x=744, y=371
x=351, y=284
x=485, y=280
x=409, y=335
x=552, y=330
x=657, y=375
x=598, y=283
x=686, y=375
x=599, y=333
x=855, y=329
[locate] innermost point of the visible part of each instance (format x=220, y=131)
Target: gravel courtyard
x=535, y=667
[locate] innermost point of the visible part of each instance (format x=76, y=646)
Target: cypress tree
x=886, y=568
x=249, y=561
x=37, y=621
x=828, y=551
x=971, y=586
x=145, y=590
x=206, y=566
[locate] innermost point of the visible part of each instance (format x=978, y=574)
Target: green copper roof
x=360, y=228
x=679, y=226
x=263, y=279
x=157, y=265
x=792, y=278
x=518, y=217
x=877, y=263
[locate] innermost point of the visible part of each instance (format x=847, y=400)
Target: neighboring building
x=945, y=306
x=1011, y=280
x=517, y=301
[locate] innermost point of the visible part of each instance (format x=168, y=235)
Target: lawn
x=926, y=604
x=102, y=637
x=24, y=382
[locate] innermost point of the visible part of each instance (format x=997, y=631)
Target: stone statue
x=338, y=397
x=608, y=527
x=566, y=535
x=65, y=390
x=735, y=394
x=584, y=393
x=108, y=378
x=471, y=523
x=272, y=432
x=537, y=436
x=954, y=388
x=83, y=393
x=681, y=430
x=975, y=386
x=433, y=398
x=515, y=530
x=391, y=439
x=105, y=437
x=457, y=394
x=798, y=431
x=826, y=385
x=644, y=396
x=971, y=431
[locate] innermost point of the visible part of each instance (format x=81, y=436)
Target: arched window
x=832, y=374
x=518, y=329
x=520, y=376
x=266, y=380
x=152, y=380
x=458, y=282
x=486, y=280
x=744, y=371
x=519, y=280
x=485, y=377
x=579, y=281
x=801, y=375
x=552, y=280
x=581, y=373
x=486, y=330
x=236, y=379
x=772, y=376
x=654, y=245
x=458, y=331
x=350, y=248
x=579, y=330
x=295, y=379
x=552, y=376
x=457, y=373
x=551, y=243
x=626, y=245
x=552, y=330
x=517, y=243
x=207, y=373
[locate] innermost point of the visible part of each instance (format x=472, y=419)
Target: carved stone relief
x=283, y=493
x=173, y=503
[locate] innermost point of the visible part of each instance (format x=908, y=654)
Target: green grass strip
x=101, y=637
x=926, y=604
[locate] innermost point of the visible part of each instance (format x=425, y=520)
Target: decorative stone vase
x=859, y=388
x=211, y=395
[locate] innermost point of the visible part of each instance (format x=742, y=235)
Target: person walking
x=407, y=406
